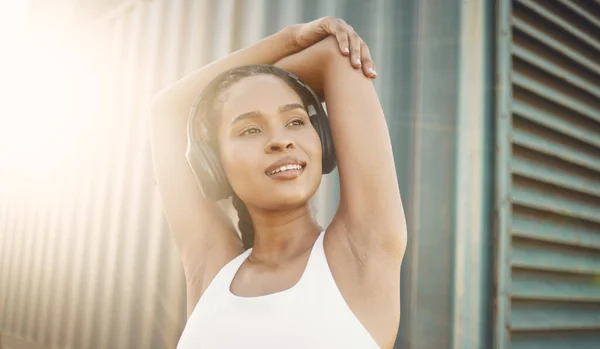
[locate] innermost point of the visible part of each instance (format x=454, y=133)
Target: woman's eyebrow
x=256, y=114
x=291, y=106
x=244, y=116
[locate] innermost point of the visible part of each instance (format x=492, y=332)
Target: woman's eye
x=250, y=131
x=297, y=122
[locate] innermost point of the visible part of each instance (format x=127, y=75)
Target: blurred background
x=494, y=112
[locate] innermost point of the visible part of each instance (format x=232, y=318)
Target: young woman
x=299, y=285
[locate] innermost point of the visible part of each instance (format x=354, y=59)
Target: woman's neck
x=282, y=235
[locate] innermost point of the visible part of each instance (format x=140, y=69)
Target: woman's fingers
x=350, y=44
x=367, y=62
x=335, y=26
x=355, y=49
x=360, y=56
x=342, y=39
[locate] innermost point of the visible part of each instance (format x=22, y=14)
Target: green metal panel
x=472, y=216
x=548, y=175
x=503, y=180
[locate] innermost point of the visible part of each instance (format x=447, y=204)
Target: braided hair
x=211, y=120
x=245, y=224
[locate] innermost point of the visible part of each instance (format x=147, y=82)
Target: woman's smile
x=289, y=172
x=286, y=168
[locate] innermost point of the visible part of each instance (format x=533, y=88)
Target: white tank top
x=311, y=314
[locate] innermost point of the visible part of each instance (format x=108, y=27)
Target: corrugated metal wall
x=549, y=171
x=90, y=263
x=94, y=266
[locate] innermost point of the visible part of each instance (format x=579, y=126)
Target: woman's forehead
x=257, y=93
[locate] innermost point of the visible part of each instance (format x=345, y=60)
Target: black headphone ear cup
x=329, y=160
x=204, y=162
x=220, y=187
x=208, y=171
x=320, y=122
x=201, y=172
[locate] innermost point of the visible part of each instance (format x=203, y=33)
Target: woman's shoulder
x=201, y=275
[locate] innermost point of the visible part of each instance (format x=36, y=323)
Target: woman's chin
x=280, y=195
x=286, y=201
x=282, y=200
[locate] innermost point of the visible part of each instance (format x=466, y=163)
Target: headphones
x=203, y=156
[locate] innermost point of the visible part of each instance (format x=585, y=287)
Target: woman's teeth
x=285, y=168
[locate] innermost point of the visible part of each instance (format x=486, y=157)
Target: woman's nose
x=279, y=143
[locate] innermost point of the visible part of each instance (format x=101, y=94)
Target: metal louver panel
x=548, y=208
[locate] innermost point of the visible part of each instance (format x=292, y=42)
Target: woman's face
x=264, y=126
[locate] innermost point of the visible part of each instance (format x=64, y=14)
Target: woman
x=299, y=286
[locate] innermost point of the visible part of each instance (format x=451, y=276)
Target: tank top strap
x=317, y=269
x=222, y=281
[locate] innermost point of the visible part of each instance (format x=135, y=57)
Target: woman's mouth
x=286, y=172
x=286, y=169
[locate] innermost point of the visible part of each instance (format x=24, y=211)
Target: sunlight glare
x=45, y=121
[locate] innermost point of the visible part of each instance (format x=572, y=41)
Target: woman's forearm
x=177, y=98
x=311, y=63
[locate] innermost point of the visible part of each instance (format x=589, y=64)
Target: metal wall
x=93, y=266
x=548, y=279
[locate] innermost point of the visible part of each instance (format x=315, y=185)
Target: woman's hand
x=349, y=43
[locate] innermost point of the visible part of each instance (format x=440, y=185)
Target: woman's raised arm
x=370, y=209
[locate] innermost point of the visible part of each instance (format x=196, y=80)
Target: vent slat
x=575, y=7
x=555, y=69
x=559, y=151
x=539, y=256
x=554, y=228
x=555, y=96
x=553, y=316
x=564, y=25
x=554, y=286
x=555, y=175
x=543, y=197
x=573, y=338
x=556, y=45
x=556, y=123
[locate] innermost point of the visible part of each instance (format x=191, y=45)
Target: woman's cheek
x=241, y=157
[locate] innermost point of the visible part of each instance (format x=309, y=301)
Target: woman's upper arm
x=198, y=226
x=370, y=203
x=370, y=210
